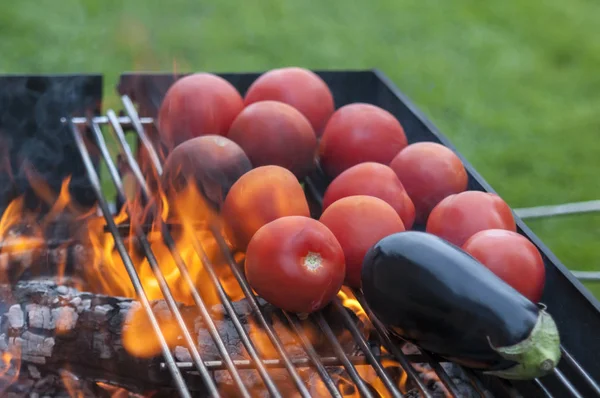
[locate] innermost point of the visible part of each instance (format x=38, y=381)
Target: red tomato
x=372, y=179
x=358, y=133
x=196, y=105
x=460, y=216
x=212, y=163
x=512, y=257
x=274, y=133
x=298, y=87
x=429, y=172
x=260, y=196
x=358, y=222
x=296, y=264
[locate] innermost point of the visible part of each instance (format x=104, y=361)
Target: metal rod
x=475, y=382
x=171, y=303
x=352, y=372
x=392, y=348
x=364, y=346
x=588, y=379
x=312, y=354
x=543, y=388
x=102, y=120
x=259, y=315
x=380, y=330
x=128, y=263
x=137, y=125
x=269, y=383
x=590, y=206
x=246, y=341
x=179, y=262
x=442, y=374
x=572, y=390
x=297, y=362
x=587, y=276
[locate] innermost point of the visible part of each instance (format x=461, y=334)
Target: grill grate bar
x=379, y=329
x=364, y=346
x=139, y=129
x=124, y=121
x=246, y=341
x=179, y=262
x=543, y=388
x=236, y=321
x=312, y=354
x=475, y=382
x=442, y=374
x=297, y=362
x=129, y=266
x=586, y=377
x=238, y=274
x=563, y=379
x=138, y=124
x=171, y=303
x=352, y=372
x=391, y=347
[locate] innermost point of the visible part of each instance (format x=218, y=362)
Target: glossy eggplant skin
x=431, y=292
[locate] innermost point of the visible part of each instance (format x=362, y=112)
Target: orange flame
x=349, y=301
x=10, y=365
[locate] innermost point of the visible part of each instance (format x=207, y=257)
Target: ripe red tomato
x=460, y=216
x=260, y=196
x=358, y=222
x=296, y=264
x=298, y=87
x=195, y=105
x=429, y=172
x=372, y=179
x=512, y=257
x=212, y=163
x=358, y=133
x=274, y=133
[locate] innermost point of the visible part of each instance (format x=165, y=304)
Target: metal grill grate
x=119, y=125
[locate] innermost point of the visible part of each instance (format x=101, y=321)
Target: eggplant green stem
x=536, y=356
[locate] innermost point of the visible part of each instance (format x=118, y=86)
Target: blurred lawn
x=514, y=84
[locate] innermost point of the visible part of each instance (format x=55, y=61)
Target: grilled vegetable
x=434, y=294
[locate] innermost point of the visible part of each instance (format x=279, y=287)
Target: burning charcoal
x=52, y=325
x=456, y=373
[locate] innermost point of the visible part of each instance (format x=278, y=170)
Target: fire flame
x=191, y=222
x=10, y=365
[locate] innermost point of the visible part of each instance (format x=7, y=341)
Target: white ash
x=39, y=316
x=85, y=305
x=3, y=343
x=182, y=354
x=65, y=318
x=33, y=372
x=103, y=309
x=64, y=290
x=161, y=309
x=76, y=302
x=15, y=317
x=35, y=345
x=101, y=342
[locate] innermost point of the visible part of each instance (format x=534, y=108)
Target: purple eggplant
x=432, y=293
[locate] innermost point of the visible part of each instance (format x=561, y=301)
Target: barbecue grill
x=575, y=310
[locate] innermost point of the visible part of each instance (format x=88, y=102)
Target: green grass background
x=514, y=84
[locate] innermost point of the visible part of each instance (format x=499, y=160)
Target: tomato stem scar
x=313, y=261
